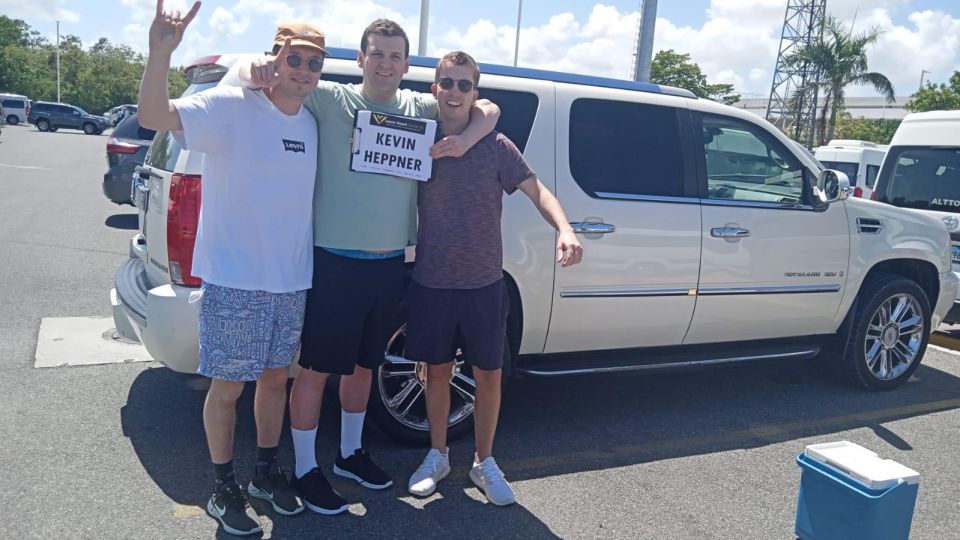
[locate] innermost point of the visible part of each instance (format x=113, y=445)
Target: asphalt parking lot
x=117, y=450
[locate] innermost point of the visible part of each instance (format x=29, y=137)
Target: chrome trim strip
x=653, y=367
x=624, y=293
x=647, y=198
x=757, y=204
x=788, y=289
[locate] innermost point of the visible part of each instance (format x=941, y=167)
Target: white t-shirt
x=259, y=165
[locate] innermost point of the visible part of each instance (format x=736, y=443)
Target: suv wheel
x=889, y=334
x=398, y=401
x=13, y=120
x=89, y=128
x=43, y=124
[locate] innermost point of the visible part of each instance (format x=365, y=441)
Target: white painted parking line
x=943, y=349
x=83, y=341
x=26, y=167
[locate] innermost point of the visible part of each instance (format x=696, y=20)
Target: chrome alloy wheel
x=403, y=383
x=894, y=336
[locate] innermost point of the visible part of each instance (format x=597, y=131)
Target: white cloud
x=223, y=22
x=44, y=10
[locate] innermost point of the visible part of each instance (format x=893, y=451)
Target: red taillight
x=118, y=147
x=29, y=108
x=873, y=196
x=858, y=191
x=183, y=214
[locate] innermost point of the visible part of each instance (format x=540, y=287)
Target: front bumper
x=162, y=318
x=947, y=308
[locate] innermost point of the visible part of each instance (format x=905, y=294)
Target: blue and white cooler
x=848, y=492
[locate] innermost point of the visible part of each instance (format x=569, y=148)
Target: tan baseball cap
x=300, y=33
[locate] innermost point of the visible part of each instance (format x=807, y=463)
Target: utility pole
x=58, y=61
x=424, y=23
x=922, y=73
x=648, y=20
x=516, y=43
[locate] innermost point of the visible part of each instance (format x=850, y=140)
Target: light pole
x=648, y=21
x=516, y=43
x=922, y=73
x=58, y=61
x=424, y=23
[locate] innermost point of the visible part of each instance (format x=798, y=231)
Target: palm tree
x=840, y=58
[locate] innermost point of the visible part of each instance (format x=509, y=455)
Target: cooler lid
x=862, y=465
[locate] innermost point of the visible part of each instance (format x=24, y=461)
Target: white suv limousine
x=709, y=238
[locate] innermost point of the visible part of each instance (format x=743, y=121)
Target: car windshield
x=925, y=178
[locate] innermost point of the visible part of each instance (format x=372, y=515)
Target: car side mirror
x=831, y=186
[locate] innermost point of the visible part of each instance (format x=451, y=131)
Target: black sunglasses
x=464, y=85
x=314, y=64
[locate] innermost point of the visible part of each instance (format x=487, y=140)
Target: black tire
x=54, y=129
x=43, y=124
x=89, y=128
x=13, y=120
x=99, y=132
x=413, y=428
x=896, y=349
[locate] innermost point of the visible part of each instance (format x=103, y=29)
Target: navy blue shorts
x=440, y=320
x=352, y=310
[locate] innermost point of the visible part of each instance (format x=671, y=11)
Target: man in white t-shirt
x=254, y=246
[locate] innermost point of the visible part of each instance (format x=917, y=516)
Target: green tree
x=841, y=60
x=937, y=97
x=878, y=130
x=675, y=69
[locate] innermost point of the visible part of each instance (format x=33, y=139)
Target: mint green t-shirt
x=354, y=210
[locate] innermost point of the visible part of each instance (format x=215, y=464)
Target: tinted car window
x=13, y=103
x=922, y=177
x=849, y=169
x=165, y=150
x=623, y=148
x=872, y=171
x=130, y=128
x=745, y=163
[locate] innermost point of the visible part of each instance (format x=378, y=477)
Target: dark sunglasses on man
x=314, y=63
x=464, y=85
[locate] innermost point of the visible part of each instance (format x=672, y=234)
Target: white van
x=922, y=171
x=16, y=108
x=859, y=160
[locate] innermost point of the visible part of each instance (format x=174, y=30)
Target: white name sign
x=391, y=144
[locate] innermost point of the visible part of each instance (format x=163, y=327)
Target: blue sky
x=734, y=41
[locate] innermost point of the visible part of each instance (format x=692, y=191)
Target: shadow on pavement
x=128, y=222
x=548, y=427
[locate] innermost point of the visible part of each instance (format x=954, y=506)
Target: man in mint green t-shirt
x=362, y=224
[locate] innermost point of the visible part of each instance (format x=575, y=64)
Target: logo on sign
x=294, y=146
x=379, y=119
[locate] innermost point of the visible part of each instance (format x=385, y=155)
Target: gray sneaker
x=489, y=478
x=435, y=467
x=228, y=505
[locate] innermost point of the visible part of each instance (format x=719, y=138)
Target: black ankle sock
x=223, y=472
x=266, y=457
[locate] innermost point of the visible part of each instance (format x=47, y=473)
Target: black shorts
x=438, y=320
x=352, y=310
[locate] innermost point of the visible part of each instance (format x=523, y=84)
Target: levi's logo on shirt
x=294, y=146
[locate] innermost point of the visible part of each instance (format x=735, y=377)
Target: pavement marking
x=187, y=510
x=951, y=352
x=764, y=434
x=83, y=341
x=26, y=167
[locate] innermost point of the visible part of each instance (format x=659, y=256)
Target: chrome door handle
x=592, y=228
x=729, y=232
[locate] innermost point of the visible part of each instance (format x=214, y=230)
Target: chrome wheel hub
x=893, y=338
x=402, y=384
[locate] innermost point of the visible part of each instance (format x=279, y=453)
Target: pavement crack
x=71, y=248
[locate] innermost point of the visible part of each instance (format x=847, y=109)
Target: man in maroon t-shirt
x=458, y=283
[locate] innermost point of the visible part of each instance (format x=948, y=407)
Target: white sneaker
x=435, y=467
x=489, y=478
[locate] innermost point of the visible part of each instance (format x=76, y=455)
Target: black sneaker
x=275, y=488
x=361, y=468
x=317, y=495
x=229, y=506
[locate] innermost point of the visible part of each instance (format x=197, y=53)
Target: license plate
x=956, y=254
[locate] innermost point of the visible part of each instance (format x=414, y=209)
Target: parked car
x=116, y=114
x=859, y=160
x=16, y=108
x=709, y=239
x=922, y=172
x=49, y=116
x=126, y=150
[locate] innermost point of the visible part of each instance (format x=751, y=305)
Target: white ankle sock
x=305, y=450
x=351, y=432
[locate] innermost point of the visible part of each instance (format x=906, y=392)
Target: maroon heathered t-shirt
x=458, y=241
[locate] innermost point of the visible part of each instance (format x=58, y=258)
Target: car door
x=773, y=263
x=626, y=183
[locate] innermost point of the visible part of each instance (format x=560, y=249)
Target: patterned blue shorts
x=244, y=332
